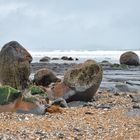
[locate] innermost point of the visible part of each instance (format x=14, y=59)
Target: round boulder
x=44, y=77
x=45, y=59
x=129, y=58
x=83, y=81
x=67, y=58
x=14, y=65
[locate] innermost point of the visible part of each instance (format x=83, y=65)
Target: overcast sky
x=71, y=24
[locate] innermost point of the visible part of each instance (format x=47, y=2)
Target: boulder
x=8, y=95
x=14, y=65
x=105, y=63
x=83, y=81
x=67, y=58
x=129, y=58
x=45, y=59
x=44, y=77
x=55, y=58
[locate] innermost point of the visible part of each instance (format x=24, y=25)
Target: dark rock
x=60, y=134
x=135, y=97
x=44, y=77
x=75, y=138
x=83, y=81
x=61, y=102
x=133, y=83
x=76, y=59
x=136, y=106
x=55, y=58
x=77, y=129
x=89, y=113
x=14, y=65
x=67, y=58
x=115, y=65
x=70, y=59
x=105, y=63
x=129, y=58
x=45, y=59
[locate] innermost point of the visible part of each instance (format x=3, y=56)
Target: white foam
x=112, y=56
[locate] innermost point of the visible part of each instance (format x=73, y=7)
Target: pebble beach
x=109, y=118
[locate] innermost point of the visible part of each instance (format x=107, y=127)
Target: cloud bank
x=71, y=24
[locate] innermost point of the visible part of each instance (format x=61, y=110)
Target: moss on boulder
x=8, y=94
x=36, y=90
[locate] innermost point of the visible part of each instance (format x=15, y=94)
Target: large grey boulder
x=129, y=58
x=14, y=65
x=83, y=81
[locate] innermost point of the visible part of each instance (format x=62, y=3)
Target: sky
x=41, y=25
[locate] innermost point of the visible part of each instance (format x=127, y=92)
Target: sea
x=99, y=56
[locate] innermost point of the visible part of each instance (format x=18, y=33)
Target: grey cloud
x=71, y=24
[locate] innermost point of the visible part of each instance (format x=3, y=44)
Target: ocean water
x=111, y=56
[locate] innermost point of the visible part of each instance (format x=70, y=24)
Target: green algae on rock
x=37, y=90
x=34, y=93
x=8, y=94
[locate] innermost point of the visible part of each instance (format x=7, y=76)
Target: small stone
x=77, y=129
x=103, y=106
x=135, y=97
x=137, y=106
x=75, y=138
x=61, y=102
x=61, y=135
x=88, y=113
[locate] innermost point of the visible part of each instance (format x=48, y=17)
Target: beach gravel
x=76, y=123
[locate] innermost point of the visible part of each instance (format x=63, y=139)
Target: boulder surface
x=44, y=77
x=129, y=58
x=14, y=65
x=45, y=59
x=83, y=81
